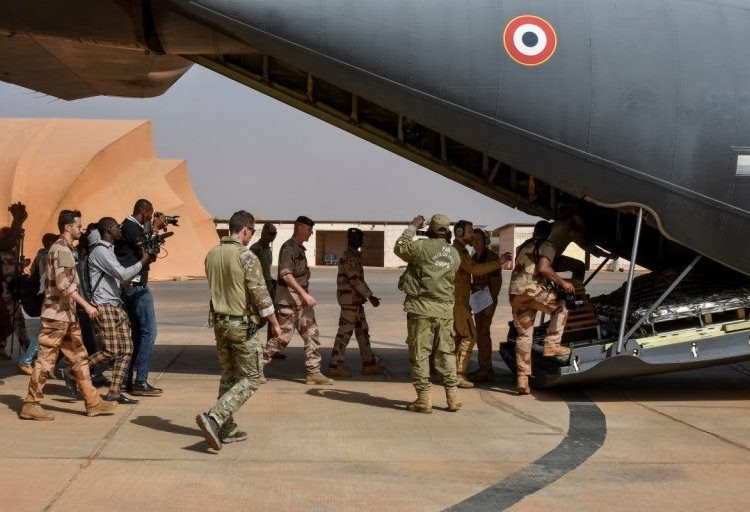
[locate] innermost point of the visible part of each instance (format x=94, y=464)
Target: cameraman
x=138, y=299
x=10, y=240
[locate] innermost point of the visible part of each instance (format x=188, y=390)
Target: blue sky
x=245, y=150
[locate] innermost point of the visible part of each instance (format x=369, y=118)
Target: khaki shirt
x=525, y=280
x=236, y=281
x=292, y=260
x=469, y=268
x=351, y=289
x=433, y=265
x=493, y=280
x=61, y=282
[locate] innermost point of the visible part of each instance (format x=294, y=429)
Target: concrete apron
x=674, y=442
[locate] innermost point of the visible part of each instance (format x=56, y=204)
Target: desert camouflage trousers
x=301, y=318
x=483, y=321
x=239, y=349
x=465, y=338
x=55, y=337
x=524, y=309
x=428, y=336
x=352, y=321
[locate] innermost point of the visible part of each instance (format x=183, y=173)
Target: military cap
x=307, y=221
x=440, y=224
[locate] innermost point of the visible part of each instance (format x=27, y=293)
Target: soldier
x=352, y=292
x=296, y=304
x=60, y=329
x=483, y=319
x=529, y=292
x=463, y=322
x=239, y=299
x=428, y=284
x=262, y=249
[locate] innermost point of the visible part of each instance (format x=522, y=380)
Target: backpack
x=31, y=298
x=84, y=286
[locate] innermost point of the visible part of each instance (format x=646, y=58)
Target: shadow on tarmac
x=357, y=397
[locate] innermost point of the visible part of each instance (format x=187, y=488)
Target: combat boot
x=318, y=379
x=451, y=394
x=522, y=385
x=34, y=411
x=555, y=351
x=339, y=372
x=422, y=404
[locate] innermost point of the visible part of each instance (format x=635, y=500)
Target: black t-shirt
x=128, y=250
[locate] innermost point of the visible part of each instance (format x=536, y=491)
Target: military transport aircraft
x=636, y=113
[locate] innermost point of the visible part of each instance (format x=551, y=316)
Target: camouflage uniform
x=240, y=299
x=463, y=321
x=293, y=313
x=60, y=329
x=352, y=292
x=483, y=319
x=529, y=293
x=428, y=284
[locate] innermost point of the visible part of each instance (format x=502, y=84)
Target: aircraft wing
x=71, y=70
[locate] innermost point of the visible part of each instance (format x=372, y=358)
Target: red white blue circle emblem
x=529, y=40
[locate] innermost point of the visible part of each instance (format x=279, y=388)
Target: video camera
x=152, y=244
x=168, y=219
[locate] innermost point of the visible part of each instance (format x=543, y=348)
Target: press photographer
x=141, y=231
x=13, y=262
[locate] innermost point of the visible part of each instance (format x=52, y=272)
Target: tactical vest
x=524, y=278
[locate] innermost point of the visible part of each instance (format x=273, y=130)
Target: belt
x=138, y=284
x=231, y=318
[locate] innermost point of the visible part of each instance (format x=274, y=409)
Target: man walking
x=428, y=284
x=352, y=292
x=137, y=296
x=60, y=329
x=239, y=300
x=296, y=304
x=262, y=249
x=112, y=324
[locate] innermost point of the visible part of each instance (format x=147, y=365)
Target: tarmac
x=671, y=442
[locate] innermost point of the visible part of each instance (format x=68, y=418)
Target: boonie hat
x=307, y=221
x=440, y=224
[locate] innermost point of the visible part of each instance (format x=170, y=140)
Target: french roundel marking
x=529, y=40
